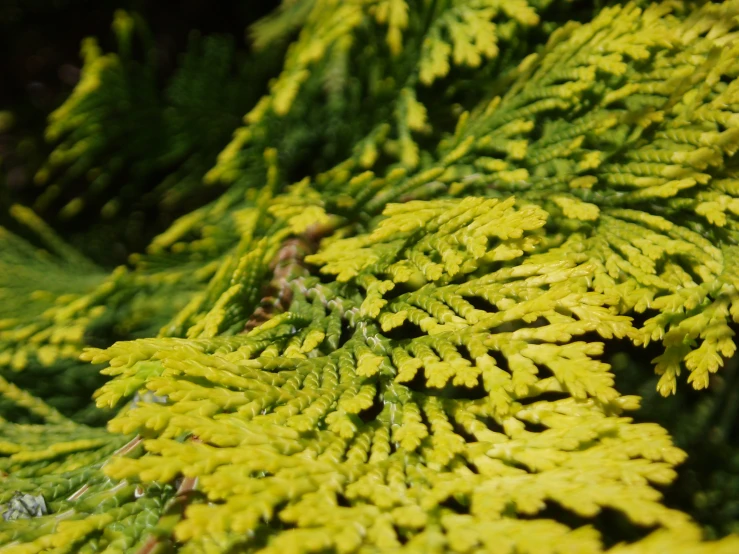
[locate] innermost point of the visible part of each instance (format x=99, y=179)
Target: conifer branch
x=406, y=349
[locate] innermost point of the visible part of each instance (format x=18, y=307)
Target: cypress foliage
x=406, y=305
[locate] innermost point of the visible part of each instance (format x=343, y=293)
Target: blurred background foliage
x=39, y=68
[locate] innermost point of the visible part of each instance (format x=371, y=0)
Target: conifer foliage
x=383, y=328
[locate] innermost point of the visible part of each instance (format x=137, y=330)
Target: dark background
x=40, y=39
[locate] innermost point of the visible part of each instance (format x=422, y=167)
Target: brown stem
x=287, y=264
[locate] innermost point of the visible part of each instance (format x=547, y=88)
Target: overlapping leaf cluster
x=430, y=378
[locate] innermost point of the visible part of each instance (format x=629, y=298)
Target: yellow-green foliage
x=434, y=382
x=96, y=132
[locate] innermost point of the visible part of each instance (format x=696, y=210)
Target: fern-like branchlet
x=387, y=331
